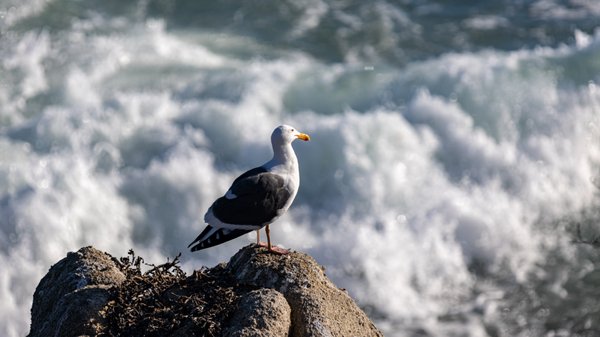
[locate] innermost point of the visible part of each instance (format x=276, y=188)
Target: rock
x=319, y=308
x=256, y=294
x=261, y=313
x=68, y=299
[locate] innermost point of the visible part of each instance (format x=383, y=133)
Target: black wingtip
x=197, y=241
x=220, y=236
x=202, y=245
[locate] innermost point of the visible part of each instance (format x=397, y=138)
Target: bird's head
x=285, y=134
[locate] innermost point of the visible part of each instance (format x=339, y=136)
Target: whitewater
x=453, y=195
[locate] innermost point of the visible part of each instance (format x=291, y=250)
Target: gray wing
x=259, y=199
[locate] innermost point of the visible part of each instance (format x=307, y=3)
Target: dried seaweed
x=164, y=301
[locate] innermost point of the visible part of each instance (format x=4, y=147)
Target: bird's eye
x=292, y=130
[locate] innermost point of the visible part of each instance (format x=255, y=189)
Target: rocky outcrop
x=69, y=298
x=255, y=294
x=319, y=308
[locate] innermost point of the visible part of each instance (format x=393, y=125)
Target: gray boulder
x=68, y=299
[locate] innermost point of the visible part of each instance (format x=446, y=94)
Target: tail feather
x=212, y=236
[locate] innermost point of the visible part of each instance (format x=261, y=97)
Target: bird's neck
x=284, y=158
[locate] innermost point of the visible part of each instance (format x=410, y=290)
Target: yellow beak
x=303, y=136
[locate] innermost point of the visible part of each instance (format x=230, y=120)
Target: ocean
x=451, y=184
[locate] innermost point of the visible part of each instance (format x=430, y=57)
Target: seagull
x=256, y=198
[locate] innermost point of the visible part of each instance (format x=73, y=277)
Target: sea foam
x=418, y=181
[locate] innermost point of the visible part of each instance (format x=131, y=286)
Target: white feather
x=230, y=195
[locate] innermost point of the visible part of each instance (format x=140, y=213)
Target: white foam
x=486, y=22
x=415, y=183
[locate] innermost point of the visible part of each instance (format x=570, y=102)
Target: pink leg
x=261, y=244
x=272, y=249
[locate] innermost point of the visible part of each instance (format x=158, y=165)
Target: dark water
x=395, y=32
